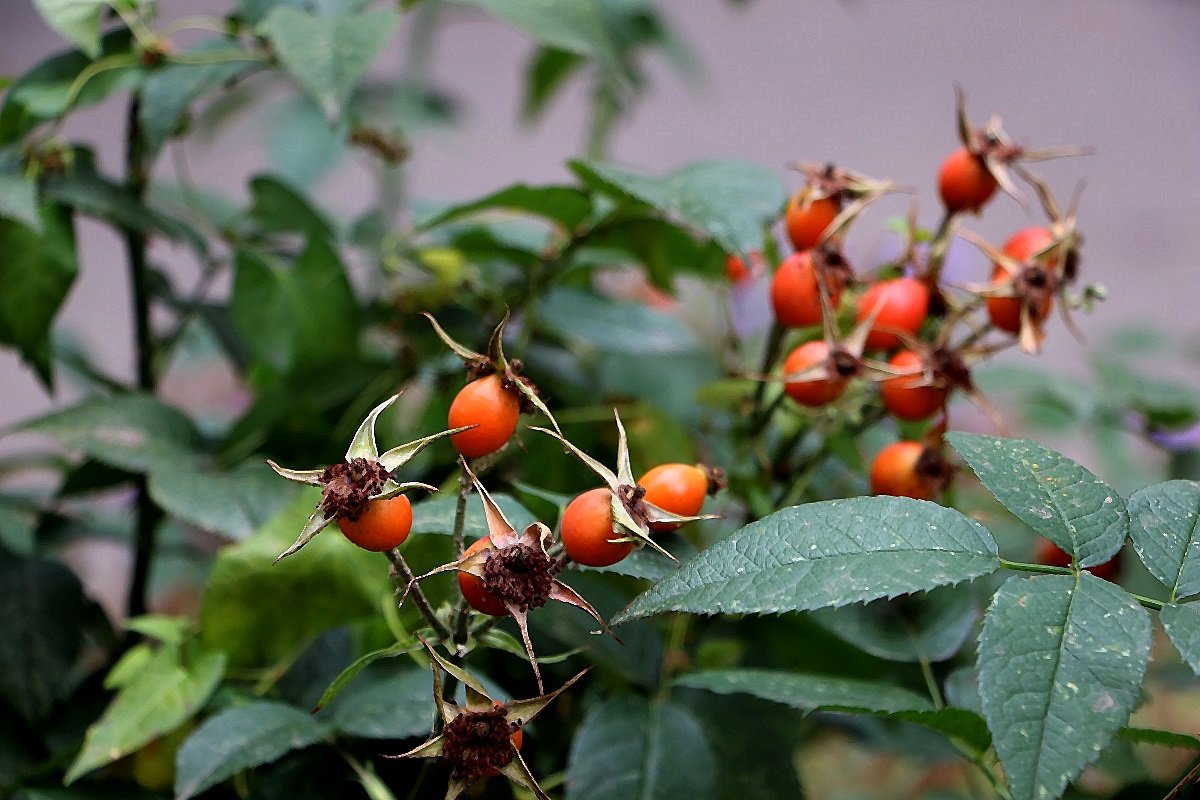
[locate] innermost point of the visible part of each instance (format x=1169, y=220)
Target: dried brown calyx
x=934, y=469
x=348, y=486
x=478, y=743
x=520, y=575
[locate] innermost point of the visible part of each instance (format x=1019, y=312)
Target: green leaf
x=42, y=612
x=931, y=625
x=545, y=74
x=348, y=674
x=385, y=704
x=1164, y=523
x=302, y=146
x=730, y=201
x=1061, y=660
x=594, y=323
x=18, y=200
x=328, y=55
x=253, y=11
x=565, y=205
x=298, y=315
x=240, y=738
x=329, y=584
x=826, y=554
x=826, y=693
x=77, y=21
x=628, y=746
x=1160, y=738
x=42, y=92
x=168, y=630
x=166, y=693
x=1049, y=492
x=576, y=26
x=172, y=87
x=133, y=432
x=1182, y=624
x=808, y=692
x=436, y=515
x=233, y=503
x=36, y=273
x=278, y=208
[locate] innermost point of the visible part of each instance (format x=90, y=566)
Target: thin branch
x=404, y=578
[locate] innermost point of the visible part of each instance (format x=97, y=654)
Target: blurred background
x=868, y=85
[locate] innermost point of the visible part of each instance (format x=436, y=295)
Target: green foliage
x=1164, y=524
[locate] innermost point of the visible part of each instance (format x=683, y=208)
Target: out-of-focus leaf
x=1049, y=492
x=233, y=503
x=36, y=273
x=330, y=583
x=77, y=21
x=730, y=201
x=303, y=148
x=628, y=746
x=240, y=738
x=133, y=432
x=826, y=554
x=1061, y=660
x=576, y=26
x=328, y=55
x=42, y=612
x=165, y=693
x=384, y=704
x=18, y=200
x=596, y=323
x=547, y=71
x=278, y=208
x=436, y=515
x=565, y=205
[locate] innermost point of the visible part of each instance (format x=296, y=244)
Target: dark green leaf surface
x=932, y=625
x=1050, y=493
x=808, y=692
x=171, y=88
x=239, y=738
x=1182, y=624
x=826, y=554
x=385, y=704
x=91, y=194
x=36, y=272
x=1160, y=738
x=546, y=73
x=165, y=693
x=233, y=503
x=1061, y=660
x=18, y=200
x=343, y=679
x=132, y=432
x=328, y=55
x=42, y=610
x=329, y=583
x=279, y=208
x=1164, y=523
x=732, y=202
x=565, y=205
x=630, y=747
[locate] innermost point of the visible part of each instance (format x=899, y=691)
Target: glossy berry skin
x=964, y=182
x=894, y=472
x=383, y=525
x=795, y=297
x=816, y=392
x=903, y=305
x=806, y=225
x=587, y=527
x=1005, y=312
x=678, y=488
x=472, y=588
x=1048, y=553
x=736, y=269
x=486, y=403
x=904, y=396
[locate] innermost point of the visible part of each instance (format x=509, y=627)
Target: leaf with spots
x=1050, y=493
x=1164, y=523
x=1182, y=624
x=826, y=554
x=1061, y=660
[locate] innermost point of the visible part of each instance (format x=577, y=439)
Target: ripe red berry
x=816, y=392
x=806, y=225
x=794, y=293
x=473, y=590
x=903, y=304
x=587, y=530
x=737, y=270
x=678, y=488
x=908, y=469
x=1048, y=553
x=384, y=524
x=906, y=396
x=964, y=181
x=492, y=408
x=1005, y=312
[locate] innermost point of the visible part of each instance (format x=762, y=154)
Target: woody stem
x=402, y=572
